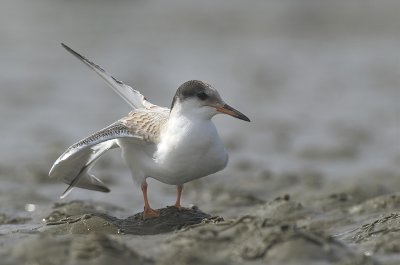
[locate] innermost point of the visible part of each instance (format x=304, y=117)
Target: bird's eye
x=202, y=96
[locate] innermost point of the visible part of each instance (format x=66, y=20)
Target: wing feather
x=130, y=95
x=143, y=123
x=73, y=165
x=147, y=124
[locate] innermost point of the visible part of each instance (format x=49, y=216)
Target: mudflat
x=315, y=221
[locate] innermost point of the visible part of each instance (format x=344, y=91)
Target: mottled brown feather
x=147, y=124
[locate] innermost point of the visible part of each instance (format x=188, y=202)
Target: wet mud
x=317, y=221
x=79, y=218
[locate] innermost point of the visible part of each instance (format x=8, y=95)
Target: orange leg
x=179, y=189
x=148, y=212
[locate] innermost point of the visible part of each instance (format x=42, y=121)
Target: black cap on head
x=205, y=95
x=191, y=89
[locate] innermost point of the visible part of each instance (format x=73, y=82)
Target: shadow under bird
x=174, y=145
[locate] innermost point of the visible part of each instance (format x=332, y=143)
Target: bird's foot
x=150, y=213
x=178, y=206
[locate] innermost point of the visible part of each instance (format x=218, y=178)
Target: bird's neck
x=185, y=121
x=185, y=130
x=189, y=114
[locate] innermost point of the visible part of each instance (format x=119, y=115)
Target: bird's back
x=147, y=123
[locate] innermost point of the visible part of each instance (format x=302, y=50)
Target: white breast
x=189, y=150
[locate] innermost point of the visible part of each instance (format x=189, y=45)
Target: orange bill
x=226, y=109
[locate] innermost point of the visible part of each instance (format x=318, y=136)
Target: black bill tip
x=226, y=109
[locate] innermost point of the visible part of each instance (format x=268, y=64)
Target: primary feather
x=73, y=166
x=130, y=95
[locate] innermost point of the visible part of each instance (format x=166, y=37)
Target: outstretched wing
x=130, y=95
x=72, y=167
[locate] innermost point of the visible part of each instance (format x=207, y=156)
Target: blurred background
x=318, y=79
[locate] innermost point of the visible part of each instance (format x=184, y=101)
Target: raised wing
x=130, y=95
x=143, y=123
x=72, y=167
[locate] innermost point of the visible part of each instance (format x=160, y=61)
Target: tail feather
x=85, y=181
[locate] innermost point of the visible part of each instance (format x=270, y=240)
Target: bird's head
x=201, y=100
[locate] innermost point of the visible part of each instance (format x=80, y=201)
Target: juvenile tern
x=173, y=146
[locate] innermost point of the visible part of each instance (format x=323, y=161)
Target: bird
x=172, y=145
